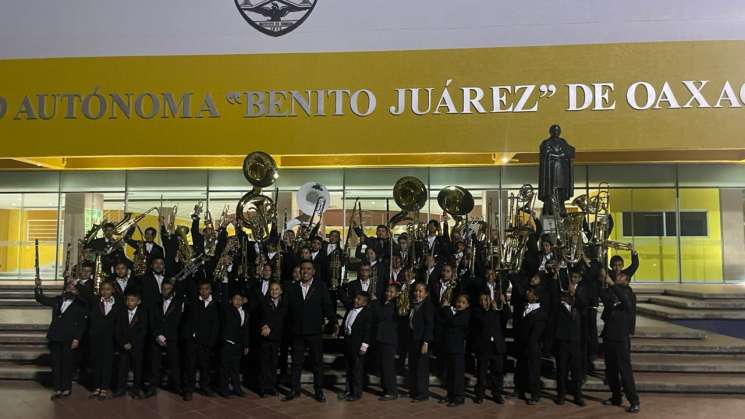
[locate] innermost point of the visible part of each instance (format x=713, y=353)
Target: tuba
x=513, y=245
x=313, y=200
x=456, y=201
x=184, y=251
x=255, y=210
x=410, y=195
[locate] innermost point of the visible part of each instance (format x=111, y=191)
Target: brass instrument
x=346, y=240
x=518, y=230
x=190, y=268
x=169, y=218
x=410, y=195
x=403, y=302
x=456, y=201
x=184, y=251
x=121, y=229
x=373, y=289
x=98, y=276
x=313, y=199
x=612, y=244
x=255, y=210
x=335, y=267
x=231, y=247
x=447, y=296
x=37, y=275
x=140, y=262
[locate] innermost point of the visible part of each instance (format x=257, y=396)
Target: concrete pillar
x=733, y=238
x=82, y=210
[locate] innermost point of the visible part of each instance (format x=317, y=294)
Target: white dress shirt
x=131, y=314
x=122, y=283
x=107, y=305
x=531, y=307
x=351, y=317
x=305, y=288
x=65, y=304
x=206, y=301
x=491, y=287
x=149, y=246
x=243, y=315
x=330, y=248
x=158, y=278
x=314, y=254
x=166, y=304
x=264, y=286
x=431, y=241
x=365, y=285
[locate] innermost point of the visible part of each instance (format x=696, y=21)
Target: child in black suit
x=455, y=321
x=65, y=332
x=272, y=320
x=356, y=331
x=103, y=320
x=421, y=327
x=529, y=339
x=489, y=345
x=130, y=338
x=199, y=330
x=386, y=332
x=165, y=319
x=235, y=338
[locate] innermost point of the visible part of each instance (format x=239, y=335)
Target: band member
x=529, y=340
x=151, y=249
x=165, y=319
x=380, y=243
x=309, y=304
x=437, y=246
x=131, y=330
x=446, y=288
x=371, y=285
x=111, y=250
x=152, y=281
x=455, y=321
x=272, y=320
x=235, y=338
x=320, y=259
x=616, y=265
x=102, y=321
x=123, y=282
x=431, y=271
x=588, y=292
x=421, y=327
x=397, y=273
x=378, y=271
x=199, y=332
x=85, y=284
x=619, y=315
x=357, y=328
x=64, y=334
x=386, y=321
x=407, y=255
x=489, y=345
x=569, y=356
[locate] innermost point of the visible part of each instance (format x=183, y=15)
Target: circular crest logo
x=275, y=17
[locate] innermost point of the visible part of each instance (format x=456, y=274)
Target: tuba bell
x=456, y=201
x=410, y=195
x=255, y=210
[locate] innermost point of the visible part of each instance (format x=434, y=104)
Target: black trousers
x=284, y=353
x=489, y=372
x=591, y=346
x=355, y=379
x=418, y=371
x=569, y=360
x=173, y=360
x=63, y=358
x=528, y=371
x=456, y=367
x=102, y=360
x=387, y=357
x=230, y=365
x=196, y=355
x=131, y=359
x=618, y=370
x=314, y=345
x=269, y=356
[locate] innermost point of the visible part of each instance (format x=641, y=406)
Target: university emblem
x=275, y=17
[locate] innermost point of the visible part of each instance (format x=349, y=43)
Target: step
x=650, y=362
x=14, y=371
x=697, y=304
x=16, y=294
x=27, y=338
x=691, y=346
x=18, y=327
x=671, y=313
x=701, y=293
x=21, y=302
x=37, y=355
x=653, y=332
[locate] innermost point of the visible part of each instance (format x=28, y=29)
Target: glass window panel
x=516, y=176
x=633, y=175
x=382, y=179
x=166, y=180
x=470, y=178
x=29, y=181
x=90, y=181
x=701, y=238
x=732, y=225
x=11, y=210
x=711, y=175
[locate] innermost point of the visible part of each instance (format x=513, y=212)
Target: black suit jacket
x=386, y=320
x=352, y=288
x=274, y=317
x=103, y=326
x=435, y=292
x=307, y=315
x=569, y=320
x=455, y=330
x=422, y=321
x=201, y=323
x=133, y=284
x=133, y=333
x=232, y=329
x=361, y=329
x=531, y=328
x=619, y=312
x=487, y=332
x=166, y=324
x=150, y=289
x=108, y=261
x=65, y=326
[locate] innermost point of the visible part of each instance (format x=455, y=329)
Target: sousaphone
x=456, y=201
x=255, y=210
x=410, y=195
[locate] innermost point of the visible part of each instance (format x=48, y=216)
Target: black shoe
x=612, y=402
x=532, y=402
x=342, y=396
x=444, y=400
x=223, y=393
x=118, y=393
x=387, y=397
x=239, y=393
x=498, y=399
x=320, y=397
x=149, y=393
x=187, y=396
x=208, y=392
x=65, y=394
x=351, y=398
x=419, y=399
x=579, y=401
x=56, y=395
x=560, y=399
x=634, y=408
x=290, y=396
x=456, y=403
x=479, y=400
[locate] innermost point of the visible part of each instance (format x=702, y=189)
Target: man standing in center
x=308, y=305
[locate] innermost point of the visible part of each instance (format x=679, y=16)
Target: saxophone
x=447, y=296
x=140, y=260
x=335, y=268
x=184, y=251
x=222, y=264
x=98, y=276
x=403, y=302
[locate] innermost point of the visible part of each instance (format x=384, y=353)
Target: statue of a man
x=555, y=171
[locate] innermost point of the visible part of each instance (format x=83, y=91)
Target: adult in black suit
x=421, y=327
x=103, y=321
x=151, y=249
x=357, y=332
x=455, y=320
x=199, y=332
x=371, y=285
x=437, y=245
x=272, y=319
x=165, y=319
x=386, y=329
x=568, y=339
x=380, y=243
x=235, y=339
x=131, y=330
x=152, y=281
x=488, y=344
x=111, y=251
x=321, y=260
x=619, y=315
x=308, y=304
x=529, y=341
x=64, y=334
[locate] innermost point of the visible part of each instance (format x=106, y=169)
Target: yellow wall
x=17, y=251
x=701, y=256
